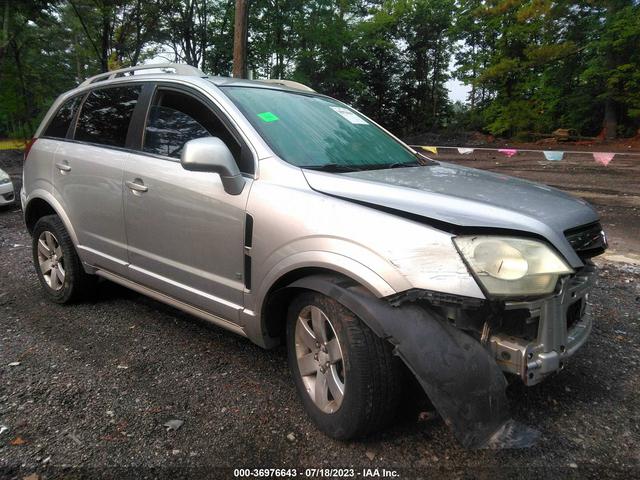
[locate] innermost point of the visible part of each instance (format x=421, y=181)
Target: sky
x=457, y=91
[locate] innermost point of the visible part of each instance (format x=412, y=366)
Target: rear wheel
x=348, y=379
x=59, y=269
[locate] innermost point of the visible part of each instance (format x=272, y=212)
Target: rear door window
x=59, y=124
x=175, y=118
x=105, y=115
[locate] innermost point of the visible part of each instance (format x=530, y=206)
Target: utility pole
x=203, y=44
x=240, y=34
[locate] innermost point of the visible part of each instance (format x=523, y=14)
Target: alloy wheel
x=320, y=359
x=51, y=260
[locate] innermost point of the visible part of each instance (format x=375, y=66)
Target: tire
x=57, y=265
x=372, y=378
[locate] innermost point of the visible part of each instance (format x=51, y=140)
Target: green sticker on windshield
x=268, y=117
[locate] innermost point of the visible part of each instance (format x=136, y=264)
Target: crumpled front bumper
x=563, y=326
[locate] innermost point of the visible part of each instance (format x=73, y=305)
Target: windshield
x=311, y=131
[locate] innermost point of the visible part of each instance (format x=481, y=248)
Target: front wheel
x=347, y=377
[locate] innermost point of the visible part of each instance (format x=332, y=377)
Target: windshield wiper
x=385, y=166
x=415, y=163
x=331, y=167
x=340, y=168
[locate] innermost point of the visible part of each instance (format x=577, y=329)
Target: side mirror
x=210, y=154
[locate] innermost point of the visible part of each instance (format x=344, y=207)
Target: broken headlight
x=511, y=266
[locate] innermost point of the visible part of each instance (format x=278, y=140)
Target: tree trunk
x=76, y=51
x=203, y=44
x=610, y=120
x=104, y=43
x=89, y=37
x=138, y=42
x=240, y=35
x=610, y=123
x=4, y=40
x=26, y=97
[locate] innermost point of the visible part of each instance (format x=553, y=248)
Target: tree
x=21, y=64
x=613, y=66
x=424, y=28
x=377, y=56
x=532, y=65
x=543, y=64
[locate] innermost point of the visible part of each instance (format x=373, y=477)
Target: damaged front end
x=460, y=348
x=458, y=374
x=538, y=337
x=531, y=339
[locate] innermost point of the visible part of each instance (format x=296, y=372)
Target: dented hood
x=465, y=197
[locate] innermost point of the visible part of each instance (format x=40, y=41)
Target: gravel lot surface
x=85, y=390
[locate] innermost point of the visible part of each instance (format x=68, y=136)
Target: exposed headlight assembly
x=511, y=266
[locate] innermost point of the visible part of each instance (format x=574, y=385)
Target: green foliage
x=538, y=65
x=532, y=66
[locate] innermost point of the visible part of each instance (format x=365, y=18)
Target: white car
x=7, y=195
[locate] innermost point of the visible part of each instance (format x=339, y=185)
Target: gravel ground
x=94, y=384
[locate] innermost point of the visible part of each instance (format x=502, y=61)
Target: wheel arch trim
x=261, y=326
x=330, y=261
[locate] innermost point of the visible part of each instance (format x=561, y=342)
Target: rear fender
x=56, y=206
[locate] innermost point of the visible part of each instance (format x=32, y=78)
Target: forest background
x=529, y=67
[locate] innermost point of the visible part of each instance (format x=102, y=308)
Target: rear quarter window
x=60, y=122
x=105, y=115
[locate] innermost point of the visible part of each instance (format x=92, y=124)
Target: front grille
x=588, y=240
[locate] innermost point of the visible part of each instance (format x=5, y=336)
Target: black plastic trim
x=587, y=240
x=139, y=117
x=247, y=271
x=71, y=131
x=248, y=231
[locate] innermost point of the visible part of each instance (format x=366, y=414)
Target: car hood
x=465, y=197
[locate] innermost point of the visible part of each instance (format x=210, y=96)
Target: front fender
x=329, y=261
x=460, y=377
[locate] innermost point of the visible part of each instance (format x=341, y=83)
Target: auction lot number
x=314, y=473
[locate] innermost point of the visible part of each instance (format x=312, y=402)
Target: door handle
x=136, y=185
x=64, y=167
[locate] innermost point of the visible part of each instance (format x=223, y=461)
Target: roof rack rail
x=179, y=68
x=287, y=83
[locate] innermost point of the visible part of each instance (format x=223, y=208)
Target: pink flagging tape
x=509, y=152
x=603, y=158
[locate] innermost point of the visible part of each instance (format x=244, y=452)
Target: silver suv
x=284, y=215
